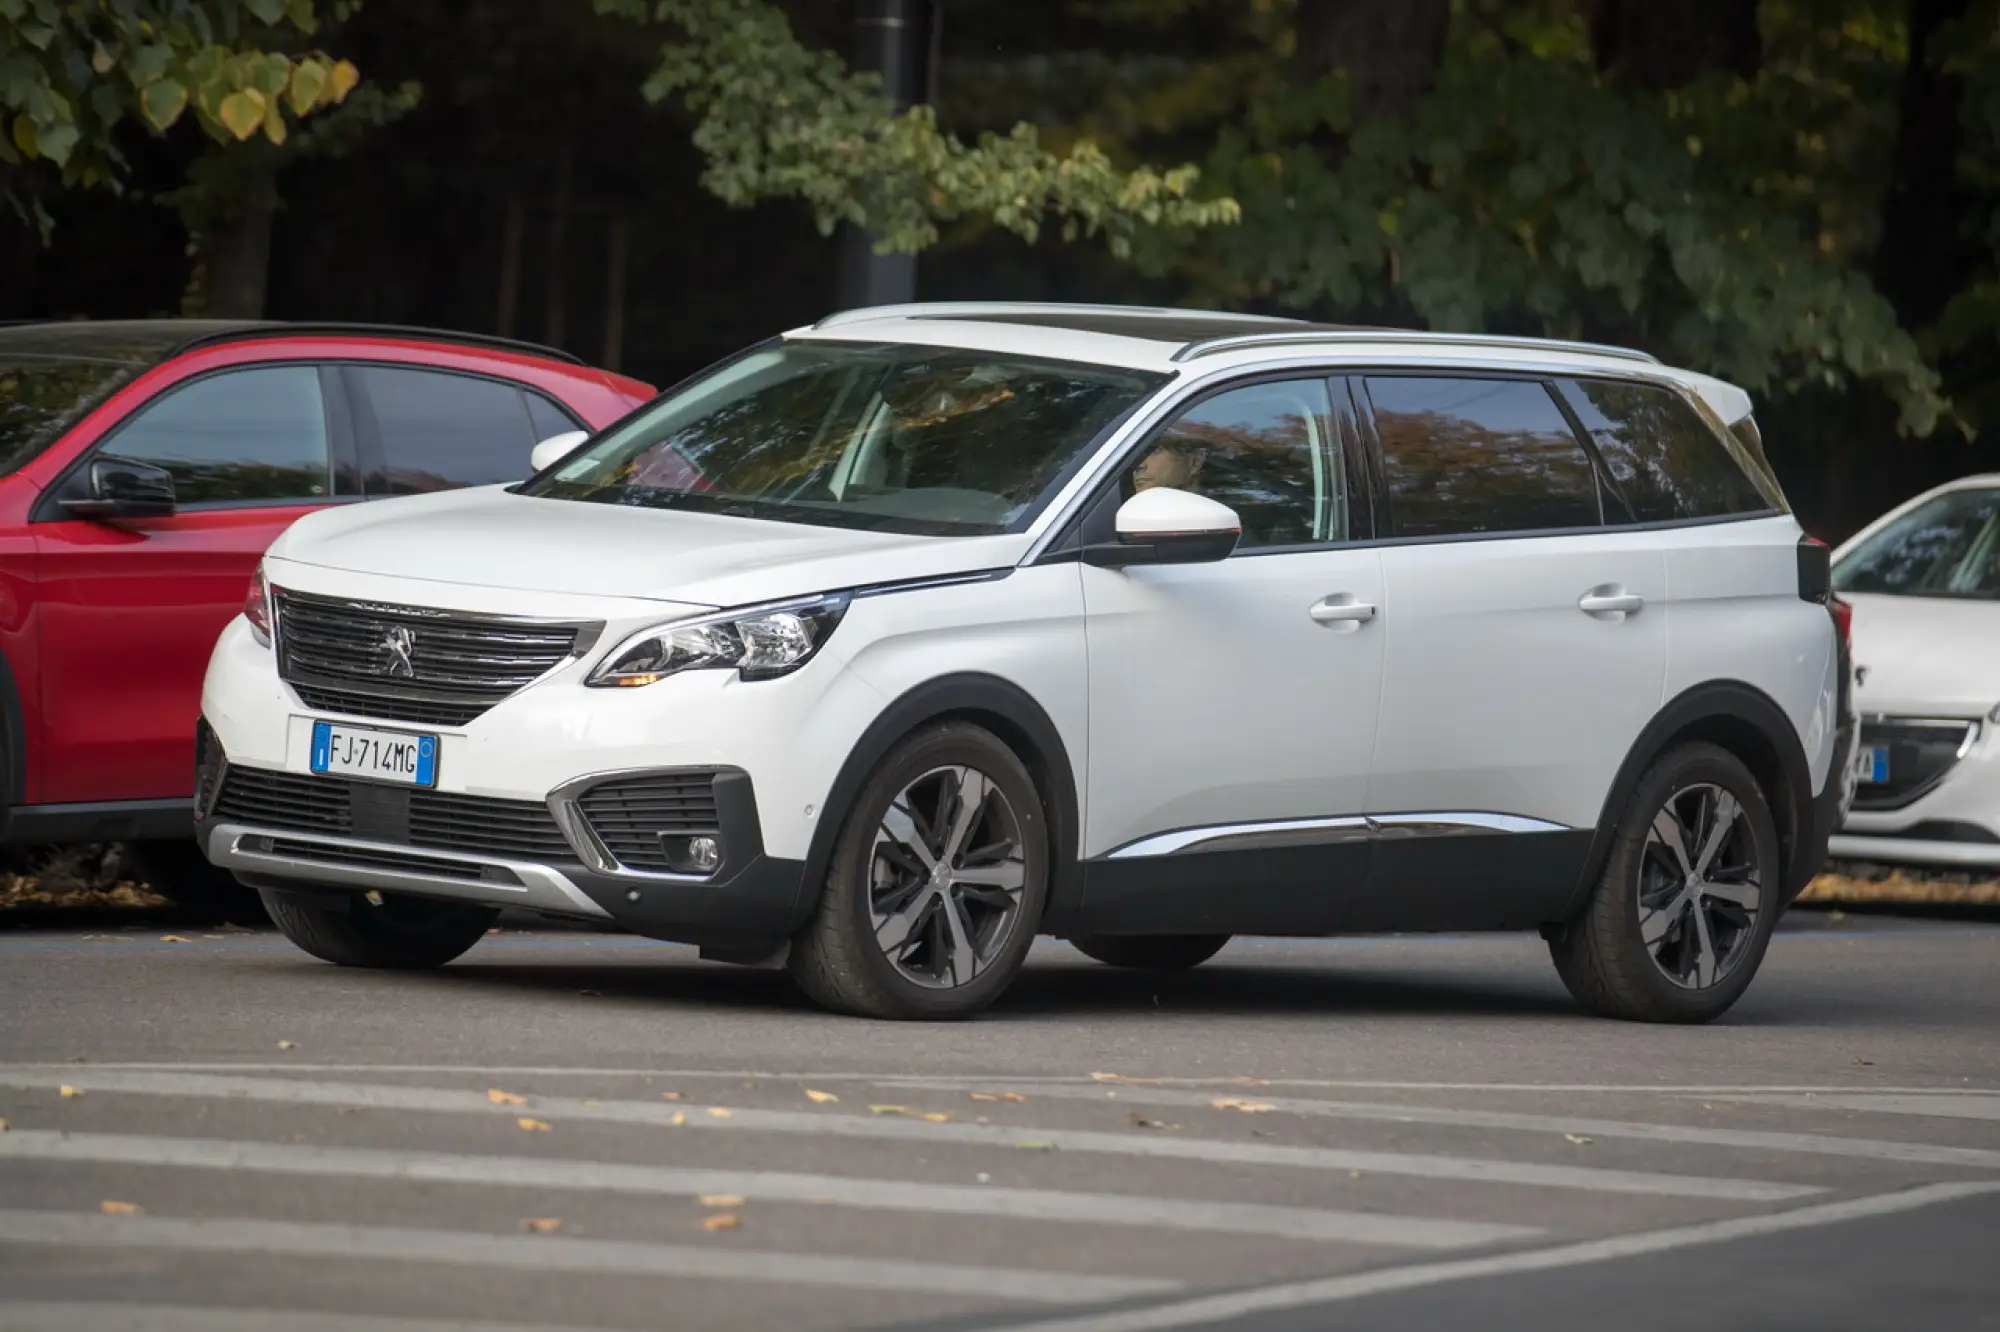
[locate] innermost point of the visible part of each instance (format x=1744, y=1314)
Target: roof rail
x=318, y=328
x=1234, y=342
x=950, y=309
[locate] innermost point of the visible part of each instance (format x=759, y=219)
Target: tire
x=1656, y=942
x=1150, y=952
x=399, y=934
x=959, y=941
x=179, y=872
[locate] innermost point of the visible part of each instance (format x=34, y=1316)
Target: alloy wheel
x=1700, y=886
x=946, y=877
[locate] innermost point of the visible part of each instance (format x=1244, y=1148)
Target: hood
x=486, y=537
x=1925, y=656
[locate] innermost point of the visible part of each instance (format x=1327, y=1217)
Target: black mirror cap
x=125, y=488
x=1169, y=548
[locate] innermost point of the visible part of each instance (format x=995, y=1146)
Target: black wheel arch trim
x=1710, y=711
x=1019, y=721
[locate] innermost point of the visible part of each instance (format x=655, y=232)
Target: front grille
x=207, y=767
x=398, y=816
x=411, y=663
x=630, y=814
x=1922, y=752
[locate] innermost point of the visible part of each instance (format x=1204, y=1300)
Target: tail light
x=1815, y=570
x=1843, y=619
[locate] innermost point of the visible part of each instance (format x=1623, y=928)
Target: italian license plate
x=1874, y=764
x=339, y=750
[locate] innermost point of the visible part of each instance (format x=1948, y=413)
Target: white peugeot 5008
x=897, y=640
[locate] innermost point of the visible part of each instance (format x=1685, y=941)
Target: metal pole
x=893, y=38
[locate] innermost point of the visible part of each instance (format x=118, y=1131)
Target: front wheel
x=379, y=930
x=1687, y=899
x=936, y=884
x=1150, y=952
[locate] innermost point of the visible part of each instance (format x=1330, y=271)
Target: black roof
x=150, y=341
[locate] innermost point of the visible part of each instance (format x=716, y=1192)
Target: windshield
x=42, y=396
x=927, y=440
x=1945, y=547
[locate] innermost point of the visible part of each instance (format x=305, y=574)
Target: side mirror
x=555, y=448
x=123, y=488
x=1167, y=526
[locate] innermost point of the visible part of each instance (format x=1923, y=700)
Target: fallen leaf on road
x=533, y=1125
x=1120, y=1077
x=717, y=1112
x=1579, y=1139
x=981, y=1096
x=288, y=1045
x=116, y=1208
x=175, y=938
x=1865, y=1063
x=678, y=1120
x=721, y=1200
x=499, y=1097
x=3, y=1126
x=1015, y=1097
x=1140, y=1121
x=670, y=1096
x=820, y=1097
x=888, y=1109
x=721, y=1221
x=1247, y=1107
x=937, y=1117
x=542, y=1225
x=70, y=1093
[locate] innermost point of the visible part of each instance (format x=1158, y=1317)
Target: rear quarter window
x=1665, y=459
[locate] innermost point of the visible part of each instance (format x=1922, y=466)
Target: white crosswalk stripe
x=98, y=1316
x=540, y=1253
x=1385, y=1112
x=1301, y=1223
x=808, y=1123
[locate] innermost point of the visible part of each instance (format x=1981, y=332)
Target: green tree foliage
x=73, y=71
x=778, y=119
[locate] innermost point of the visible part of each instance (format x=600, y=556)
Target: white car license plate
x=1874, y=764
x=339, y=750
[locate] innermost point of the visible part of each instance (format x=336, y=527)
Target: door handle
x=1610, y=600
x=1341, y=609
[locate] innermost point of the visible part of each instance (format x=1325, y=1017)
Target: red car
x=144, y=468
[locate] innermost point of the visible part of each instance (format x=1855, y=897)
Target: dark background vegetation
x=1865, y=127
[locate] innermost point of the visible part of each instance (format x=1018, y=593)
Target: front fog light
x=692, y=855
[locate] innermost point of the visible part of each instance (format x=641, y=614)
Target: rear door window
x=1665, y=461
x=427, y=430
x=1464, y=455
x=236, y=437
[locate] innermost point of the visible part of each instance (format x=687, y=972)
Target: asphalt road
x=1351, y=1134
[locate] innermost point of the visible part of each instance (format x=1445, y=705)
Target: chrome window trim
x=1326, y=831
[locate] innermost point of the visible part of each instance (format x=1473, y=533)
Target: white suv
x=897, y=640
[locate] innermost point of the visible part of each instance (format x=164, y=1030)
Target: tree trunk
x=1660, y=45
x=1389, y=49
x=236, y=253
x=1922, y=256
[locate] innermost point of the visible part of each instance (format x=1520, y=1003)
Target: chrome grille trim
x=338, y=655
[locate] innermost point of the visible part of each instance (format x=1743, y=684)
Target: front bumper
x=1953, y=824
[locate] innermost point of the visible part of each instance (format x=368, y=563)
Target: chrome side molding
x=1321, y=832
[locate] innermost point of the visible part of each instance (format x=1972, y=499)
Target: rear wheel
x=1150, y=952
x=178, y=871
x=936, y=884
x=1688, y=897
x=390, y=931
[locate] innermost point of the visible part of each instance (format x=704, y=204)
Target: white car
x=899, y=639
x=1924, y=581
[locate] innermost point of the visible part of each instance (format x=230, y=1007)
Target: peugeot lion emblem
x=397, y=645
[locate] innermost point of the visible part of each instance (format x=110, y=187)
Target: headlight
x=760, y=643
x=257, y=607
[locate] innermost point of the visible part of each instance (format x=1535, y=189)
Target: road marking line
x=550, y=1253
x=1883, y=1103
x=1391, y=1113
x=94, y=1316
x=1299, y=1223
x=989, y=1079
x=901, y=1129
x=1332, y=1290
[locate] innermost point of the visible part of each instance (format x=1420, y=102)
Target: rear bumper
x=1836, y=795
x=103, y=821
